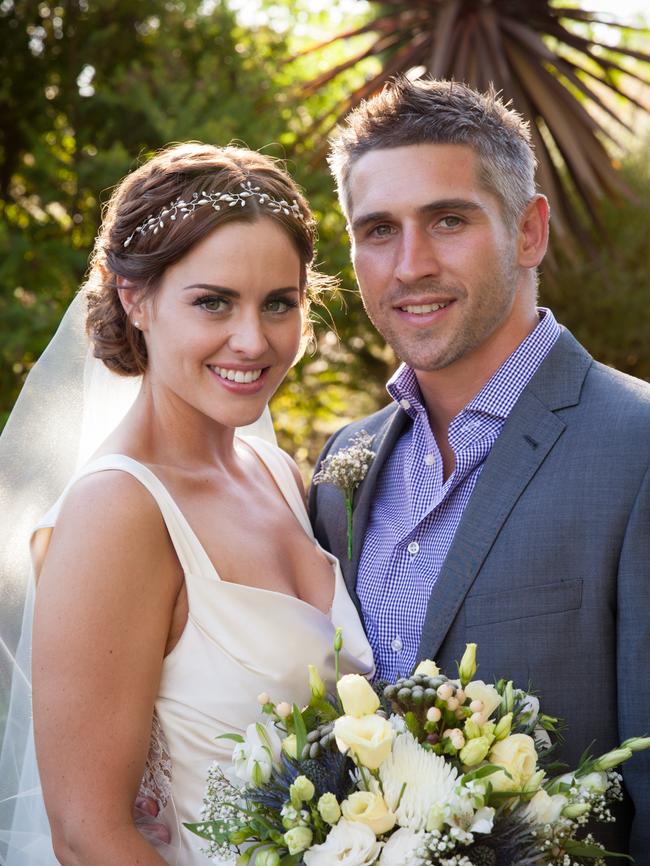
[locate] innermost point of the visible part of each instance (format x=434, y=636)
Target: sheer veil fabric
x=68, y=405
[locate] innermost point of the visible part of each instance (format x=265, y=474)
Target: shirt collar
x=500, y=393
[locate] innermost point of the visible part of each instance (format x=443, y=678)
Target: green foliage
x=88, y=88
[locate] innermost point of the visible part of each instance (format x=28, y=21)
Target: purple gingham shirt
x=414, y=515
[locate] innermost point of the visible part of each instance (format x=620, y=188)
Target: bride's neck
x=167, y=431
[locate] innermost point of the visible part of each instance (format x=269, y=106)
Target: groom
x=509, y=499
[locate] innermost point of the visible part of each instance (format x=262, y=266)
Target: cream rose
x=400, y=848
x=517, y=755
x=369, y=738
x=348, y=844
x=477, y=690
x=357, y=696
x=427, y=668
x=369, y=809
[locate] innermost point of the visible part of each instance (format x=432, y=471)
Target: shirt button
x=430, y=459
x=405, y=404
x=413, y=548
x=396, y=644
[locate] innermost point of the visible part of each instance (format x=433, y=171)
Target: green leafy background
x=89, y=87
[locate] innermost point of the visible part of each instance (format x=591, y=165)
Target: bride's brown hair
x=179, y=172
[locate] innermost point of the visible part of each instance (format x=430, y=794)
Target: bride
x=177, y=573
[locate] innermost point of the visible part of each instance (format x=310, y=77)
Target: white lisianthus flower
x=422, y=779
x=518, y=756
x=369, y=739
x=460, y=812
x=400, y=848
x=370, y=809
x=357, y=696
x=594, y=783
x=347, y=844
x=254, y=759
x=544, y=809
x=477, y=690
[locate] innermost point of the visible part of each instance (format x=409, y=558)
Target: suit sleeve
x=633, y=642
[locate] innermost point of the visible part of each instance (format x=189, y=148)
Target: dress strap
x=180, y=533
x=278, y=465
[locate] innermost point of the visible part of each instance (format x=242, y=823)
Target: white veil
x=68, y=405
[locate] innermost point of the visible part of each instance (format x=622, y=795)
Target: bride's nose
x=248, y=337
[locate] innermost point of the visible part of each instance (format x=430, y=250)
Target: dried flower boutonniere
x=346, y=470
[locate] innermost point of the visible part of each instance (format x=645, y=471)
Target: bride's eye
x=279, y=305
x=211, y=303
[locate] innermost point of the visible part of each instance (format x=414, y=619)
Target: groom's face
x=435, y=261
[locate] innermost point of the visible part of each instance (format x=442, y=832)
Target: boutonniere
x=346, y=470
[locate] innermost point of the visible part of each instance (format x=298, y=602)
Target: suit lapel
x=383, y=445
x=530, y=432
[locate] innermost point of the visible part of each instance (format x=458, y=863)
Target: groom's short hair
x=428, y=111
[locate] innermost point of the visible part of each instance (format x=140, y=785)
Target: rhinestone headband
x=184, y=209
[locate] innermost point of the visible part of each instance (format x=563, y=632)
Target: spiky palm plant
x=563, y=68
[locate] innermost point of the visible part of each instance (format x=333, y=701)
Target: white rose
x=369, y=739
x=400, y=848
x=544, y=809
x=518, y=756
x=369, y=809
x=347, y=844
x=427, y=668
x=258, y=754
x=477, y=690
x=357, y=696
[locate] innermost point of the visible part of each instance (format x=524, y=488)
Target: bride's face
x=226, y=322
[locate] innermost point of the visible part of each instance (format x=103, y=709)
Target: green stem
x=348, y=510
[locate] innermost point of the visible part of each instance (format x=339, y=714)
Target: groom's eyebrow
x=444, y=204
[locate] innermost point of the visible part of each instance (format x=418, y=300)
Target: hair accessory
x=215, y=199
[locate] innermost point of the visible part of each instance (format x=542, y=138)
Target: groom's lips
x=422, y=311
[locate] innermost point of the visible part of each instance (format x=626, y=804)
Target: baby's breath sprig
x=346, y=470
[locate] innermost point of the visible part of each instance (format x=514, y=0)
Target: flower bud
x=329, y=809
x=636, y=744
x=435, y=819
x=357, y=696
x=472, y=729
x=267, y=857
x=338, y=640
x=238, y=837
x=434, y=714
x=460, y=696
x=508, y=698
x=575, y=810
x=263, y=698
x=456, y=737
x=301, y=791
x=452, y=704
x=316, y=683
x=503, y=728
x=290, y=746
x=284, y=710
x=467, y=666
x=475, y=751
x=427, y=668
x=612, y=759
x=298, y=839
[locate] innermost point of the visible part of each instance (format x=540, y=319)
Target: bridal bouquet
x=434, y=770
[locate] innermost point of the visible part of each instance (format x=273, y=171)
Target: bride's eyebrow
x=231, y=293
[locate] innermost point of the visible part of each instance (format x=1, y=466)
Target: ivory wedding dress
x=238, y=641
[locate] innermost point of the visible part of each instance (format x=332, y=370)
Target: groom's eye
x=382, y=230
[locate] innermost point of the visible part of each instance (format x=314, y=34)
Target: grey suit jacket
x=549, y=571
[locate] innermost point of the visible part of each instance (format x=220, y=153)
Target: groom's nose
x=416, y=257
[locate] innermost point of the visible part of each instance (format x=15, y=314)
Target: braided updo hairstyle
x=178, y=171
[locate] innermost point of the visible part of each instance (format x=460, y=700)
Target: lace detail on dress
x=157, y=778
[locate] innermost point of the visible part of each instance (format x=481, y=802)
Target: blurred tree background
x=89, y=87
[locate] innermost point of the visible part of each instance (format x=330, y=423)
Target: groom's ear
x=131, y=298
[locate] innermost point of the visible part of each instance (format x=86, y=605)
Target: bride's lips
x=240, y=380
x=422, y=311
